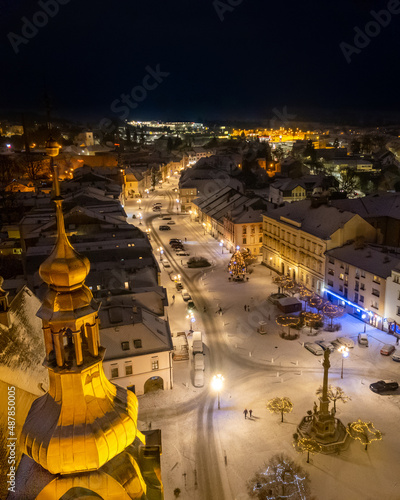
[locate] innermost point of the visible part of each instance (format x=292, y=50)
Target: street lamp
x=139, y=201
x=161, y=250
x=345, y=352
x=177, y=206
x=221, y=244
x=192, y=320
x=217, y=384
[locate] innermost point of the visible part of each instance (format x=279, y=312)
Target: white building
x=138, y=346
x=359, y=277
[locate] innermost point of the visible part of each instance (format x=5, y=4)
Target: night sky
x=262, y=56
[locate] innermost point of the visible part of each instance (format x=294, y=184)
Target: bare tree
x=280, y=478
x=335, y=394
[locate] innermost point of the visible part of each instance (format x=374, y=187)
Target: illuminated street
x=197, y=436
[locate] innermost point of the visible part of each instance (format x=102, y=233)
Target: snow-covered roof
x=22, y=345
x=368, y=258
x=120, y=322
x=376, y=205
x=320, y=221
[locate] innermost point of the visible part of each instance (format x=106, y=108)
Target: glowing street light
x=221, y=244
x=161, y=250
x=345, y=352
x=217, y=384
x=192, y=320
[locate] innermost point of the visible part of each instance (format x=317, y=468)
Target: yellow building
x=297, y=236
x=80, y=439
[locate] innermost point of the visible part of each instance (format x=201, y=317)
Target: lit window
x=126, y=285
x=154, y=364
x=125, y=346
x=377, y=279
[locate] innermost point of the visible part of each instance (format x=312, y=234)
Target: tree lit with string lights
x=364, y=432
x=237, y=266
x=280, y=478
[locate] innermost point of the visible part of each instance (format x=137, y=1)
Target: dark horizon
x=212, y=61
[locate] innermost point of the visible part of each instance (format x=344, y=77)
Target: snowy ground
x=256, y=368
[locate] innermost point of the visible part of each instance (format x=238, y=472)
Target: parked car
x=363, y=339
x=166, y=217
x=387, y=349
x=185, y=295
x=164, y=228
x=182, y=253
x=199, y=361
x=325, y=345
x=190, y=306
x=175, y=240
x=178, y=286
x=314, y=348
x=133, y=216
x=166, y=264
x=197, y=344
x=198, y=378
x=344, y=341
x=171, y=223
x=384, y=386
x=156, y=209
x=396, y=356
x=178, y=247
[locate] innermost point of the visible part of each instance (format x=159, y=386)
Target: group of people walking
x=250, y=412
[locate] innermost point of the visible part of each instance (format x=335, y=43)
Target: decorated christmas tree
x=237, y=266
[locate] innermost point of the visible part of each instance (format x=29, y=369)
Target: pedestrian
x=220, y=311
x=173, y=298
x=250, y=413
x=204, y=309
x=245, y=308
x=397, y=341
x=245, y=413
x=181, y=262
x=185, y=239
x=248, y=308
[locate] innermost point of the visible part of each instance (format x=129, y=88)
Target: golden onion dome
x=64, y=269
x=52, y=147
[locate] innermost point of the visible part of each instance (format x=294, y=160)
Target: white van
x=197, y=343
x=199, y=361
x=185, y=295
x=363, y=339
x=198, y=378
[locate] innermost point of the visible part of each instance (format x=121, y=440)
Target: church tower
x=82, y=435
